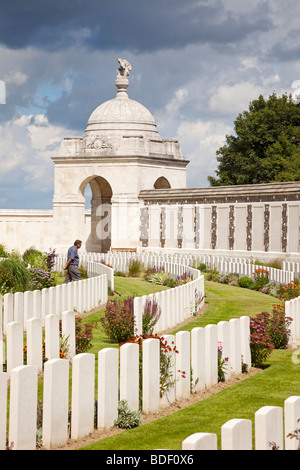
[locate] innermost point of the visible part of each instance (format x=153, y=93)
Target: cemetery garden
x=201, y=405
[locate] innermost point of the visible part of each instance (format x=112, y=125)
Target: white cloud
x=199, y=141
x=15, y=78
x=233, y=99
x=26, y=146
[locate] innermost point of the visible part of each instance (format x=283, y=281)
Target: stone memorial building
x=140, y=200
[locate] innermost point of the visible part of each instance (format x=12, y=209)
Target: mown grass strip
x=272, y=386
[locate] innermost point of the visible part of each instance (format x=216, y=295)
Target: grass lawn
x=226, y=302
x=124, y=287
x=269, y=387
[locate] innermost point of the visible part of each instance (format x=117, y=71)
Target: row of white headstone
x=270, y=432
x=33, y=350
x=292, y=310
x=120, y=261
x=83, y=295
x=118, y=379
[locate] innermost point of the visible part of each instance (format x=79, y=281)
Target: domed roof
x=122, y=116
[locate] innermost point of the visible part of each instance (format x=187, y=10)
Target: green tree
x=265, y=147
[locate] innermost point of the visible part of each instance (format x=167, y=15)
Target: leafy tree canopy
x=265, y=148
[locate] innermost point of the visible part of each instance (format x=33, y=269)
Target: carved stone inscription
x=179, y=226
x=162, y=227
x=231, y=227
x=214, y=227
x=196, y=226
x=249, y=228
x=284, y=228
x=144, y=226
x=267, y=227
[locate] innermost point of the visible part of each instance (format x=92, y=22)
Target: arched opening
x=98, y=222
x=162, y=183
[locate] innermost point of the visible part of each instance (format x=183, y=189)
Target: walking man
x=73, y=263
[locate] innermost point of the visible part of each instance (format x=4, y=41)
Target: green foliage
x=135, y=268
x=82, y=272
x=231, y=279
x=119, y=273
x=151, y=315
x=41, y=279
x=127, y=418
x=118, y=320
x=202, y=267
x=14, y=276
x=261, y=278
x=268, y=332
x=213, y=275
x=160, y=277
x=246, y=282
x=35, y=258
x=83, y=335
x=265, y=147
x=222, y=363
x=3, y=252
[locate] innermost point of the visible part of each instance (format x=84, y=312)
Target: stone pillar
x=68, y=220
x=125, y=221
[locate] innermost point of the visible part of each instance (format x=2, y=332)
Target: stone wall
x=252, y=219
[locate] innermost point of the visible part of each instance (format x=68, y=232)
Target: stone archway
x=98, y=223
x=162, y=183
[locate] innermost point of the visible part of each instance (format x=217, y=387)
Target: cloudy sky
x=196, y=66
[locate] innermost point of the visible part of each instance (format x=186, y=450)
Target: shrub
x=51, y=255
x=83, y=335
x=118, y=320
x=41, y=279
x=151, y=315
x=183, y=279
x=127, y=418
x=171, y=282
x=268, y=331
x=278, y=329
x=35, y=258
x=221, y=363
x=261, y=278
x=83, y=272
x=231, y=279
x=290, y=291
x=167, y=380
x=6, y=280
x=120, y=274
x=261, y=343
x=213, y=275
x=14, y=276
x=3, y=252
x=160, y=278
x=135, y=268
x=202, y=267
x=246, y=282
